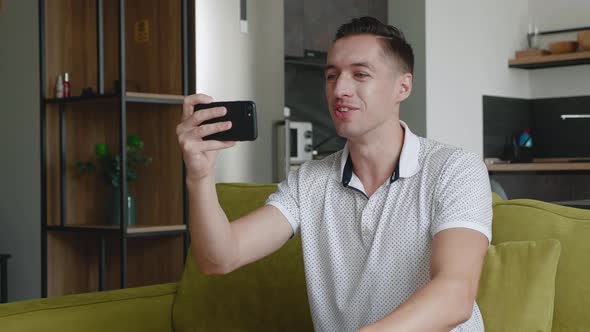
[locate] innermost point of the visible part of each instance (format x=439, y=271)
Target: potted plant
x=109, y=166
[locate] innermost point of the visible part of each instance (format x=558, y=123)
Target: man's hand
x=219, y=247
x=199, y=155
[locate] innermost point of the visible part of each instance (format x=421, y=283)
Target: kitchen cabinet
x=311, y=25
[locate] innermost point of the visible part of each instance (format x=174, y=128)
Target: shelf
x=132, y=97
x=154, y=98
x=539, y=166
x=96, y=49
x=548, y=61
x=81, y=99
x=132, y=231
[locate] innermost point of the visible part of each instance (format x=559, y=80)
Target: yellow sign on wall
x=141, y=31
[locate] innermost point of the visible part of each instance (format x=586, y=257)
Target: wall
x=558, y=15
x=20, y=192
x=468, y=44
x=235, y=66
x=409, y=17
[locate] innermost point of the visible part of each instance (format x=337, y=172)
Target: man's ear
x=405, y=83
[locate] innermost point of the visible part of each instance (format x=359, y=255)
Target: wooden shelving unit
x=555, y=60
x=145, y=45
x=131, y=230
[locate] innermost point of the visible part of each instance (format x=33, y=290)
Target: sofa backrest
x=271, y=295
x=521, y=220
x=268, y=295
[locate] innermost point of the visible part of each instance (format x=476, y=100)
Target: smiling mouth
x=345, y=109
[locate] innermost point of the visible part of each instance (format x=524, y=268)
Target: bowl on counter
x=562, y=47
x=584, y=40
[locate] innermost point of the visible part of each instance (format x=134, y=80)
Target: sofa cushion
x=268, y=295
x=523, y=220
x=124, y=310
x=517, y=287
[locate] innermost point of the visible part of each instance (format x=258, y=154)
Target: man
x=394, y=227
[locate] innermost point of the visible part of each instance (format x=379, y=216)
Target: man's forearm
x=439, y=306
x=212, y=240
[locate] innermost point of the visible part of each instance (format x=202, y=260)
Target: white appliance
x=299, y=143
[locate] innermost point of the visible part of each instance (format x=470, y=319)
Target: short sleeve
x=463, y=198
x=286, y=199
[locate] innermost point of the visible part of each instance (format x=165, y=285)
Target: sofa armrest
x=132, y=309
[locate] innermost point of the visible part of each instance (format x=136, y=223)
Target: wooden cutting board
x=530, y=52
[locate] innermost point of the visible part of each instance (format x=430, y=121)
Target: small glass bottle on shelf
x=67, y=88
x=59, y=87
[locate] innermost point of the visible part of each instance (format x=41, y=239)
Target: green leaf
x=101, y=150
x=110, y=164
x=134, y=141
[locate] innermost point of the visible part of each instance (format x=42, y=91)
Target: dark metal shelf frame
x=552, y=32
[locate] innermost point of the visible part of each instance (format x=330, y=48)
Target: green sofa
x=270, y=295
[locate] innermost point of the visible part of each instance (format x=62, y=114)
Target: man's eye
x=330, y=77
x=361, y=75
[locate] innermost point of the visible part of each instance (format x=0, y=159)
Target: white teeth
x=343, y=109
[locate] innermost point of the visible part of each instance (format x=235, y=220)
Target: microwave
x=301, y=146
x=301, y=139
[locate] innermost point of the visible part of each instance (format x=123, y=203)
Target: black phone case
x=242, y=114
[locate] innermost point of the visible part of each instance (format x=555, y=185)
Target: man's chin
x=346, y=133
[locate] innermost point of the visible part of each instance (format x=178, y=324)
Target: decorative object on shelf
x=59, y=87
x=532, y=36
x=525, y=139
x=530, y=52
x=562, y=47
x=113, y=208
x=67, y=89
x=521, y=148
x=87, y=92
x=584, y=40
x=110, y=167
x=564, y=53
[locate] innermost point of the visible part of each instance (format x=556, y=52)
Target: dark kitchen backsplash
x=552, y=137
x=305, y=95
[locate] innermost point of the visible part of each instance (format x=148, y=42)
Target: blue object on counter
x=525, y=139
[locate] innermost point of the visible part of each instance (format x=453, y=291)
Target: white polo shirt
x=365, y=257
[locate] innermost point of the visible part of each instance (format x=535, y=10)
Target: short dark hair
x=393, y=41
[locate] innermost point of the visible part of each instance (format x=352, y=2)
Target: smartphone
x=242, y=115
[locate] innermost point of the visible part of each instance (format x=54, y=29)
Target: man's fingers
x=199, y=117
x=190, y=102
x=208, y=114
x=212, y=128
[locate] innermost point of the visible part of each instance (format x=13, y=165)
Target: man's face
x=362, y=86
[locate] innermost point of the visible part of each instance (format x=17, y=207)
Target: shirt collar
x=406, y=167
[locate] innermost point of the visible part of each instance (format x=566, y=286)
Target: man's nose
x=343, y=87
